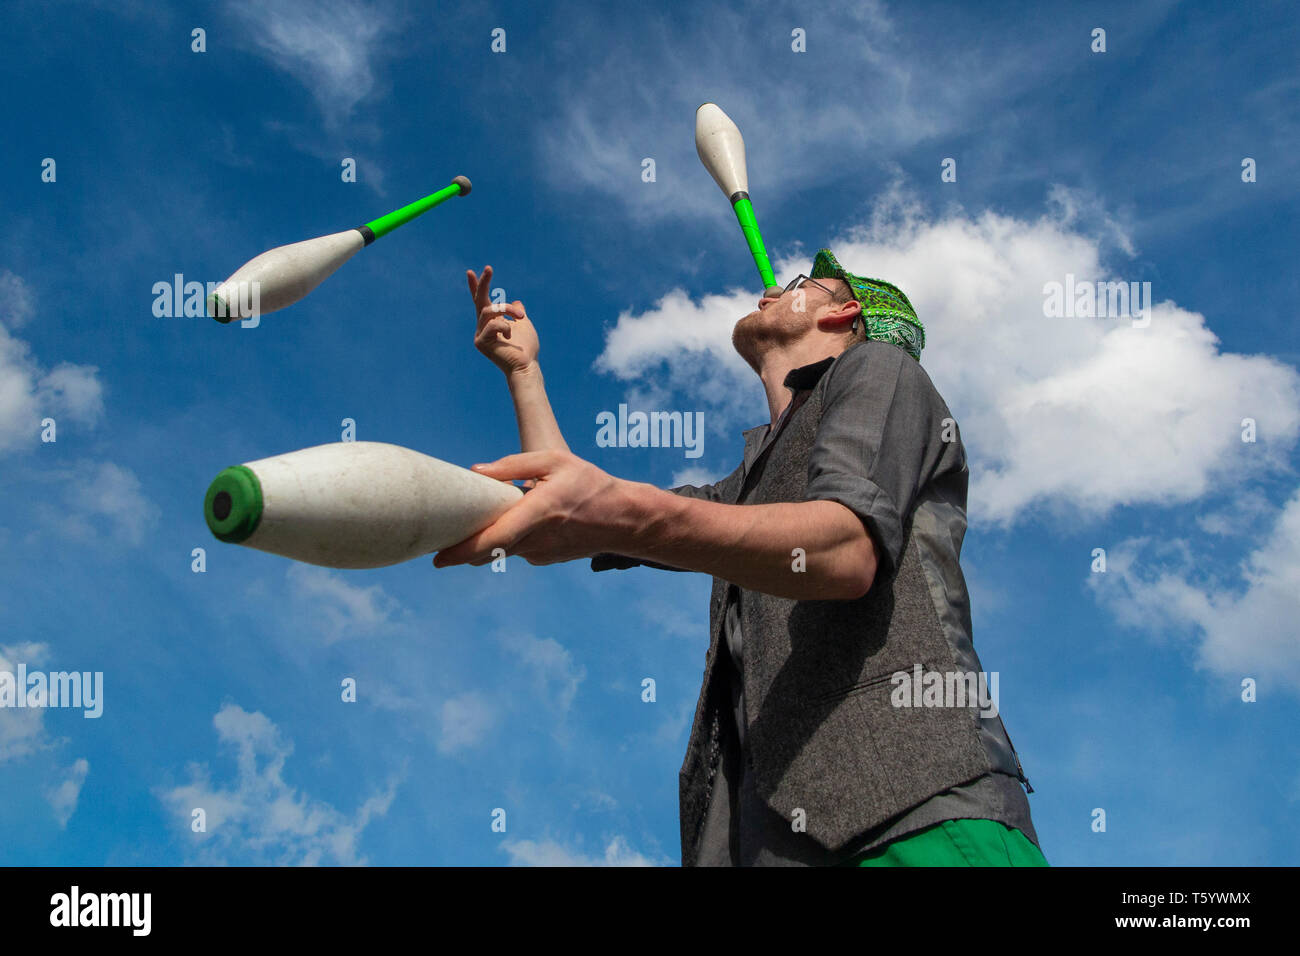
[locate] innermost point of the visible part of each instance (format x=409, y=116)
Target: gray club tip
x=463, y=182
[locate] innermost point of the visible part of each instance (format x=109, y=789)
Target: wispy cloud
x=330, y=48
x=22, y=730
x=885, y=87
x=466, y=720
x=259, y=818
x=29, y=393
x=695, y=475
x=63, y=798
x=100, y=499
x=1243, y=514
x=335, y=607
x=552, y=669
x=23, y=733
x=617, y=852
x=17, y=304
x=1240, y=630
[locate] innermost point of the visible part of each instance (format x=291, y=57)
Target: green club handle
x=749, y=225
x=399, y=217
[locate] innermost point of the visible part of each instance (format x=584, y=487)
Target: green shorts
x=957, y=843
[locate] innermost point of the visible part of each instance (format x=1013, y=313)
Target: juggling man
x=826, y=731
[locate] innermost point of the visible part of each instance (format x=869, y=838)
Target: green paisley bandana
x=889, y=317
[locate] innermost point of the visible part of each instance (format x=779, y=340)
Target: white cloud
x=260, y=819
x=102, y=496
x=17, y=303
x=1242, y=515
x=695, y=475
x=22, y=730
x=550, y=853
x=554, y=671
x=91, y=495
x=596, y=800
x=74, y=389
x=328, y=47
x=337, y=608
x=1084, y=414
x=466, y=720
x=28, y=393
x=63, y=798
x=1238, y=632
x=547, y=669
x=691, y=343
x=667, y=613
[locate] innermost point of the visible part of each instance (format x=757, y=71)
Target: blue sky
x=521, y=691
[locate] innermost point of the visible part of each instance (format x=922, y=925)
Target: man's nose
x=769, y=296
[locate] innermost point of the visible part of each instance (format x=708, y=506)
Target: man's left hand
x=573, y=511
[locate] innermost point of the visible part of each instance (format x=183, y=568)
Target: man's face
x=787, y=316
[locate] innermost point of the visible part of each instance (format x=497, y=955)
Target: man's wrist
x=525, y=376
x=646, y=514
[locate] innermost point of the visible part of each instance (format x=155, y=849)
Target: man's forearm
x=538, y=429
x=753, y=546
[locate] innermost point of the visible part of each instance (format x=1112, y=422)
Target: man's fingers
x=502, y=533
x=487, y=331
x=486, y=315
x=528, y=464
x=482, y=295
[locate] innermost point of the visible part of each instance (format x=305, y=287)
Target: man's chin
x=742, y=328
x=744, y=334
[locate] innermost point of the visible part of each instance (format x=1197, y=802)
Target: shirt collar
x=806, y=376
x=797, y=379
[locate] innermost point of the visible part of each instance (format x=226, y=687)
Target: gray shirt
x=739, y=829
x=878, y=439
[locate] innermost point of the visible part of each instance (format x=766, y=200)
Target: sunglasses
x=800, y=279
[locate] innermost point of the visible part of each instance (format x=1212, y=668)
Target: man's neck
x=779, y=362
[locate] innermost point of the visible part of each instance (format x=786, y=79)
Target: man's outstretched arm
x=755, y=546
x=576, y=510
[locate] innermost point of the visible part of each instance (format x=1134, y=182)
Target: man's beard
x=757, y=334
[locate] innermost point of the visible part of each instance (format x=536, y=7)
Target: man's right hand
x=511, y=343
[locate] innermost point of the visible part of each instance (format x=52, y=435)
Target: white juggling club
x=722, y=151
x=353, y=504
x=283, y=275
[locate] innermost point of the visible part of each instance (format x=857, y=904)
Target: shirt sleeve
x=879, y=442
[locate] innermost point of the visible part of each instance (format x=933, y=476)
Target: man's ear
x=841, y=316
